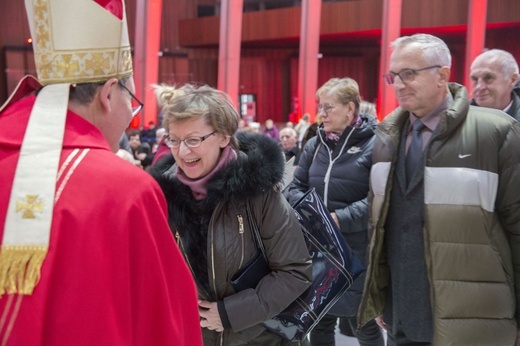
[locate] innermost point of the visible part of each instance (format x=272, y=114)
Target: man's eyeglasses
x=405, y=75
x=325, y=108
x=190, y=142
x=136, y=104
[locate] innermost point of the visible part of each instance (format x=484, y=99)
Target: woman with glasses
x=216, y=177
x=336, y=162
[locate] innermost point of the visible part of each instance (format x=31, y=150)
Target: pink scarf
x=198, y=186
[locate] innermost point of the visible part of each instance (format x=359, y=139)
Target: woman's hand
x=335, y=218
x=380, y=322
x=209, y=316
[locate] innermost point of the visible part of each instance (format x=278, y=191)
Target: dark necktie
x=415, y=151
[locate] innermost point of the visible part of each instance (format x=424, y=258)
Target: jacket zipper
x=212, y=248
x=326, y=179
x=181, y=246
x=241, y=232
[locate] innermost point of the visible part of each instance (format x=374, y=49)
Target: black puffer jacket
x=216, y=243
x=340, y=175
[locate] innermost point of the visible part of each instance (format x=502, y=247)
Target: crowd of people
x=428, y=200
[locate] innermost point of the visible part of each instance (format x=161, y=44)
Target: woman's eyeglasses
x=190, y=142
x=325, y=108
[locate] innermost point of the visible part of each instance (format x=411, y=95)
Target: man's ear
x=514, y=79
x=106, y=94
x=444, y=73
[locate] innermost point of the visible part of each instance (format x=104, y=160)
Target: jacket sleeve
x=508, y=202
x=300, y=184
x=354, y=217
x=289, y=261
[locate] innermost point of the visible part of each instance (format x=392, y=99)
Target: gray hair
x=435, y=51
x=506, y=60
x=292, y=132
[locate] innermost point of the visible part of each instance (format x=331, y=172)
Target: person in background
x=444, y=255
x=134, y=139
x=366, y=107
x=494, y=75
x=140, y=150
x=160, y=135
x=301, y=127
x=87, y=257
x=270, y=130
x=124, y=143
x=288, y=141
x=336, y=162
x=148, y=134
x=311, y=131
x=217, y=177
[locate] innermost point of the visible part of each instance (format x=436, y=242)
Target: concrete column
x=475, y=36
x=308, y=60
x=391, y=30
x=146, y=58
x=229, y=47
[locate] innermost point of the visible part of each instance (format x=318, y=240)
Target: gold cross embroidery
x=29, y=206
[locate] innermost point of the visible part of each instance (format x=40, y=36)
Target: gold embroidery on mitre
x=29, y=206
x=20, y=268
x=74, y=65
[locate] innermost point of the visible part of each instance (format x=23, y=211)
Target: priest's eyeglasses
x=406, y=76
x=190, y=142
x=136, y=104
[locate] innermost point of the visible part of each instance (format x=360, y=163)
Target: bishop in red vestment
x=113, y=274
x=86, y=253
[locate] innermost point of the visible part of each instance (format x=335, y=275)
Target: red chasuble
x=113, y=274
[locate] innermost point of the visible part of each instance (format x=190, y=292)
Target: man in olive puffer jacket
x=444, y=252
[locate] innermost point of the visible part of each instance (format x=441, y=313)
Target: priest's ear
x=106, y=94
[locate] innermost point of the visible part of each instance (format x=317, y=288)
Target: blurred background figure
x=288, y=141
x=366, y=107
x=271, y=130
x=160, y=134
x=301, y=127
x=124, y=143
x=494, y=75
x=311, y=131
x=254, y=127
x=148, y=134
x=337, y=162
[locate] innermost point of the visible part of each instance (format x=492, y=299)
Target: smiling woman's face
x=197, y=162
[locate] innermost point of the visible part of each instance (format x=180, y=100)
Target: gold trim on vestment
x=20, y=267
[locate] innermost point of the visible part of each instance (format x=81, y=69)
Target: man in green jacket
x=444, y=252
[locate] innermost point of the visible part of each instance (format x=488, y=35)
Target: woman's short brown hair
x=191, y=102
